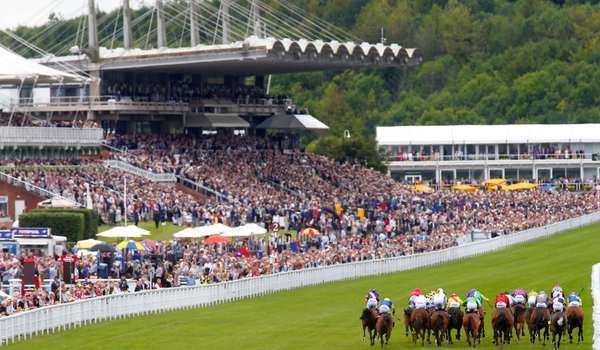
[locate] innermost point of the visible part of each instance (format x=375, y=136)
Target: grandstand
x=206, y=85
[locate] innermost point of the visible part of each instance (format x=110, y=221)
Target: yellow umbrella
x=520, y=186
x=465, y=188
x=130, y=245
x=494, y=182
x=87, y=243
x=423, y=188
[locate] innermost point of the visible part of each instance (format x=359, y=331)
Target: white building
x=436, y=153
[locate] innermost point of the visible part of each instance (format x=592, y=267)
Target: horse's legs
x=580, y=335
x=365, y=332
x=450, y=335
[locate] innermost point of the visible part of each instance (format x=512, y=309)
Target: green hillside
x=327, y=316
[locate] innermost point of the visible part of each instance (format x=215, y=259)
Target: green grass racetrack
x=326, y=317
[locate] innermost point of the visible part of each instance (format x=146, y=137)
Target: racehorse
x=407, y=324
x=519, y=313
x=439, y=325
x=383, y=328
x=419, y=321
x=558, y=322
x=530, y=324
x=369, y=318
x=575, y=320
x=471, y=323
x=482, y=321
x=456, y=321
x=502, y=322
x=540, y=318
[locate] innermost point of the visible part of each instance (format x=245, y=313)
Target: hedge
x=91, y=218
x=71, y=225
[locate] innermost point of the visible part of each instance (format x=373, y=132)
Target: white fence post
x=596, y=310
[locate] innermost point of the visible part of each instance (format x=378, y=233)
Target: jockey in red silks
x=502, y=301
x=413, y=295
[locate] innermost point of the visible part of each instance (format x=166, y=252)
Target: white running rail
x=59, y=317
x=596, y=299
x=132, y=169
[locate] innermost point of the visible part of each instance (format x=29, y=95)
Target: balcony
x=50, y=136
x=96, y=104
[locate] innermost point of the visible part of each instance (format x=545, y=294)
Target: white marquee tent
x=15, y=69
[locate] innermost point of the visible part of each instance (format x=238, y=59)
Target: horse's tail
x=573, y=320
x=501, y=320
x=439, y=322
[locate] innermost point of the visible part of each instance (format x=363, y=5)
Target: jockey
x=558, y=304
x=371, y=303
x=420, y=302
x=386, y=306
x=532, y=298
x=502, y=301
x=541, y=300
x=557, y=291
x=478, y=296
x=373, y=293
x=454, y=301
x=519, y=296
x=574, y=300
x=413, y=295
x=439, y=299
x=471, y=304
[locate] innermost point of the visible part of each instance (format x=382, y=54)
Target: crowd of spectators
x=361, y=214
x=186, y=91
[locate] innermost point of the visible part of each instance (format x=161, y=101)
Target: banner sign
x=20, y=232
x=5, y=235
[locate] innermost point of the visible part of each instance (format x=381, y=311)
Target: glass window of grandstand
x=463, y=175
x=525, y=174
x=447, y=152
x=524, y=151
x=503, y=151
x=3, y=207
x=491, y=152
x=513, y=151
x=477, y=174
x=511, y=174
x=471, y=152
x=496, y=173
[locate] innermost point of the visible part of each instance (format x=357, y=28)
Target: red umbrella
x=149, y=244
x=311, y=232
x=216, y=239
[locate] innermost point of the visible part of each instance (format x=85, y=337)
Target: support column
x=94, y=71
x=161, y=29
x=194, y=32
x=92, y=26
x=256, y=18
x=127, y=31
x=225, y=20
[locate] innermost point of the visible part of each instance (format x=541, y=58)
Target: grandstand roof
x=252, y=56
x=488, y=134
x=293, y=121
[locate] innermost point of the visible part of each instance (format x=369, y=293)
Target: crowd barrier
x=596, y=299
x=64, y=316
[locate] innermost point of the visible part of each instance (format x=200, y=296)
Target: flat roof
x=488, y=134
x=251, y=56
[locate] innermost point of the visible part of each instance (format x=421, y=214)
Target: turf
x=326, y=317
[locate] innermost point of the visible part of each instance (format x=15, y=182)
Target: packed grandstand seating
x=184, y=91
x=361, y=214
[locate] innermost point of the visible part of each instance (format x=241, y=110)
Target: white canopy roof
x=15, y=69
x=193, y=232
x=293, y=121
x=488, y=134
x=246, y=231
x=130, y=231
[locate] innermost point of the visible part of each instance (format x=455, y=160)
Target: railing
x=596, y=300
x=102, y=103
x=59, y=317
x=29, y=187
x=155, y=177
x=198, y=187
x=412, y=157
x=50, y=136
